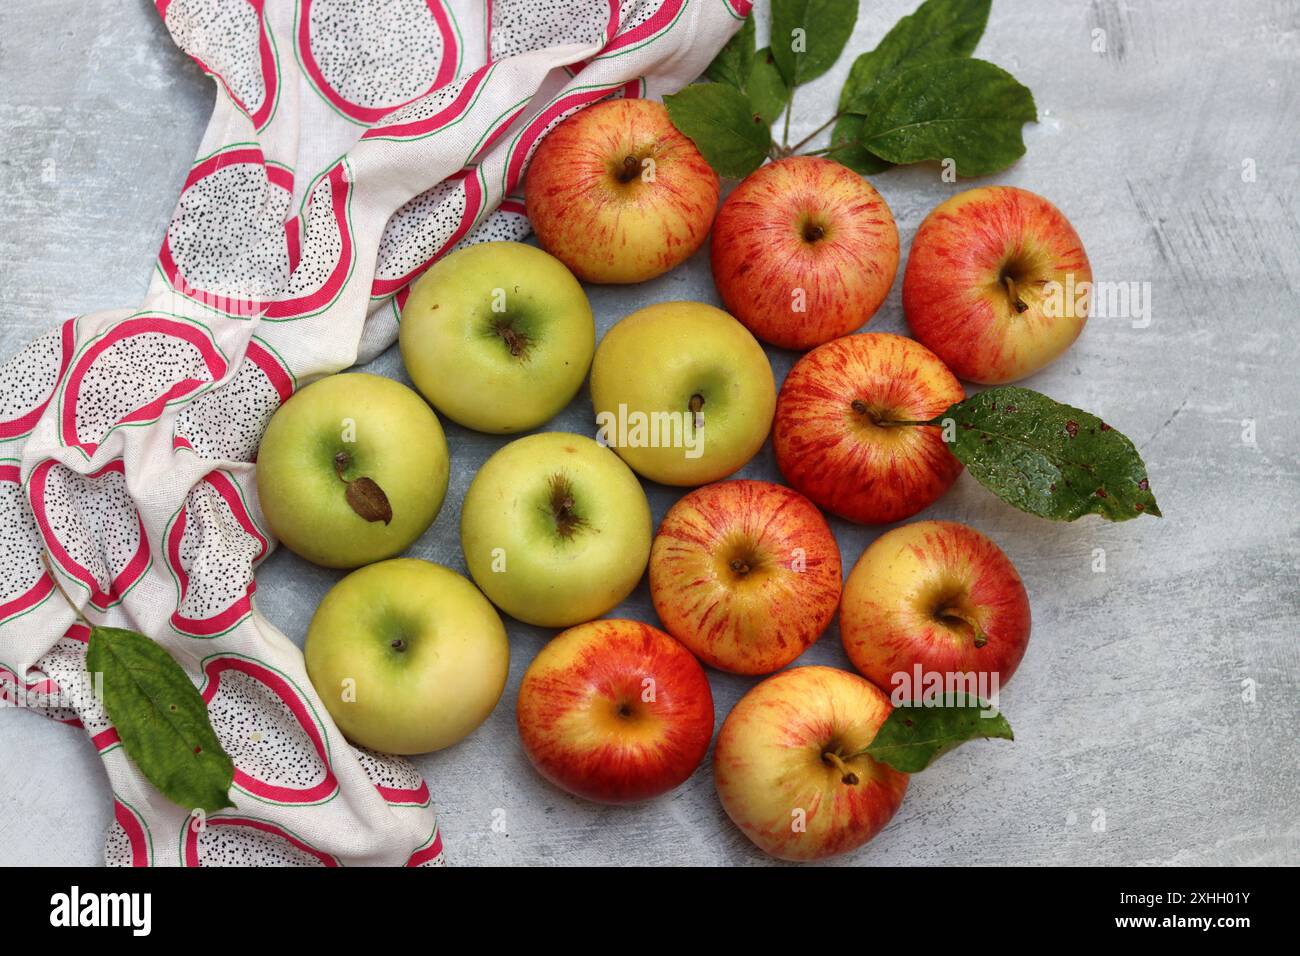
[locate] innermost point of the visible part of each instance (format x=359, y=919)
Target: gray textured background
x=1135, y=740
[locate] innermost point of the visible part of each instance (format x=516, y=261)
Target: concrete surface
x=1158, y=709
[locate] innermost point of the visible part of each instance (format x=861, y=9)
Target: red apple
x=789, y=769
x=939, y=595
x=833, y=437
x=997, y=283
x=804, y=250
x=746, y=574
x=615, y=711
x=617, y=194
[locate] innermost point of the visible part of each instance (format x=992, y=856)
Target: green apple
x=498, y=336
x=352, y=469
x=683, y=392
x=407, y=655
x=555, y=529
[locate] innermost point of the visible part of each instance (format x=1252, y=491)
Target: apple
x=804, y=250
x=618, y=194
x=683, y=392
x=407, y=655
x=746, y=574
x=352, y=469
x=997, y=283
x=833, y=435
x=939, y=595
x=555, y=529
x=498, y=336
x=615, y=711
x=789, y=769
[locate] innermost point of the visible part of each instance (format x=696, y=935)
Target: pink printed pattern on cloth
x=352, y=144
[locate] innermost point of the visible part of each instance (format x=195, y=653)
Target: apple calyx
x=563, y=508
x=813, y=233
x=364, y=496
x=847, y=776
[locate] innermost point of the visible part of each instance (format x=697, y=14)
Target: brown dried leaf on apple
x=368, y=500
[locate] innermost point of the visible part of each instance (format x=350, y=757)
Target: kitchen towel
x=353, y=142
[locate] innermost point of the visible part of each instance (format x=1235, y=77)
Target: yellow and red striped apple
x=746, y=574
x=617, y=194
x=615, y=711
x=804, y=250
x=789, y=769
x=997, y=284
x=833, y=435
x=940, y=595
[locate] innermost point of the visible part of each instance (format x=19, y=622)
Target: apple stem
x=514, y=341
x=1017, y=303
x=846, y=775
x=631, y=167
x=862, y=408
x=950, y=614
x=696, y=406
x=567, y=520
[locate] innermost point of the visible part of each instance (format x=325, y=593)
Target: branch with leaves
x=917, y=97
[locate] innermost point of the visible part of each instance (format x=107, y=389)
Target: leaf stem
x=830, y=149
x=789, y=108
x=813, y=135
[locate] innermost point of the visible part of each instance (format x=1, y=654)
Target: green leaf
x=718, y=119
x=161, y=719
x=911, y=738
x=1046, y=458
x=752, y=72
x=768, y=94
x=969, y=111
x=847, y=150
x=735, y=61
x=938, y=30
x=809, y=35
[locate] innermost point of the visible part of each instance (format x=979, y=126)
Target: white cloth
x=353, y=142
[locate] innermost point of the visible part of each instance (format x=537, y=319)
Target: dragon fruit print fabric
x=352, y=144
